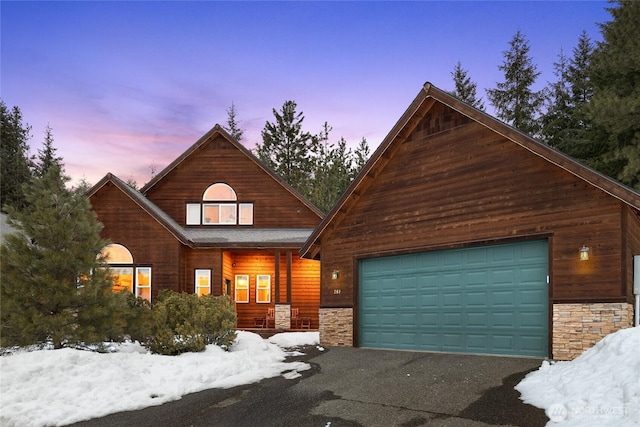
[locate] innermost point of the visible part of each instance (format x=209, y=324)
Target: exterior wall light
x=335, y=274
x=584, y=253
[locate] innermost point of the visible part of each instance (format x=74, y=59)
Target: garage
x=485, y=299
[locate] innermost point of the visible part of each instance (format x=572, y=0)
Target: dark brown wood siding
x=201, y=258
x=632, y=237
x=148, y=241
x=462, y=184
x=219, y=161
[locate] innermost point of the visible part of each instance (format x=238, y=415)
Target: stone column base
x=577, y=327
x=283, y=316
x=336, y=327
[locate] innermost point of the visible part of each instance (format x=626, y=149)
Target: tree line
x=592, y=111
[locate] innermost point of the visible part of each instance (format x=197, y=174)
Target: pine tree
x=15, y=163
x=615, y=105
x=333, y=170
x=465, y=89
x=566, y=122
x=47, y=155
x=232, y=127
x=514, y=100
x=361, y=154
x=287, y=149
x=53, y=287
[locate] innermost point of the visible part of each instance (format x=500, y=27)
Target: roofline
x=136, y=197
x=217, y=129
x=610, y=186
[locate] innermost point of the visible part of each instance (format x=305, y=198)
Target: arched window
x=121, y=269
x=219, y=192
x=117, y=254
x=219, y=206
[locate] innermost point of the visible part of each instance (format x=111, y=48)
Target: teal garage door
x=488, y=299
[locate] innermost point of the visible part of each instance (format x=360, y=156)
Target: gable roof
x=208, y=237
x=217, y=130
x=428, y=96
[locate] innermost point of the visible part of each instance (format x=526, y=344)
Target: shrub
x=185, y=322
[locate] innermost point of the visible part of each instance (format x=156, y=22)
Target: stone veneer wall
x=336, y=327
x=282, y=316
x=577, y=327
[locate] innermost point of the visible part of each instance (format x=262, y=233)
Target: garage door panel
x=490, y=299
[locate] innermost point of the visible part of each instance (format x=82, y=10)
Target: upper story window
x=219, y=207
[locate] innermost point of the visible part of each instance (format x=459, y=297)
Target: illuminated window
x=242, y=288
x=116, y=254
x=203, y=282
x=122, y=278
x=122, y=268
x=219, y=206
x=143, y=283
x=263, y=288
x=219, y=192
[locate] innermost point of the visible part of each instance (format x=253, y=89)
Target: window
x=203, y=282
x=219, y=207
x=216, y=214
x=122, y=269
x=193, y=213
x=242, y=288
x=122, y=278
x=245, y=215
x=143, y=283
x=263, y=288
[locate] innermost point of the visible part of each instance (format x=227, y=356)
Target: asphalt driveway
x=361, y=387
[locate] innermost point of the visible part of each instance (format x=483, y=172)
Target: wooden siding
x=631, y=234
x=149, y=242
x=305, y=285
x=454, y=182
x=201, y=258
x=219, y=161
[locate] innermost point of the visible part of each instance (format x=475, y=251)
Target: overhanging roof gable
x=428, y=96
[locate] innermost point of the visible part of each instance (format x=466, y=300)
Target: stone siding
x=336, y=327
x=577, y=327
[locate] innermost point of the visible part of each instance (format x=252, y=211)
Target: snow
x=599, y=388
x=58, y=387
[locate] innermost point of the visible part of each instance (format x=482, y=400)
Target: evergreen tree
x=287, y=149
x=465, y=89
x=566, y=122
x=333, y=170
x=514, y=100
x=361, y=154
x=53, y=288
x=15, y=163
x=232, y=124
x=615, y=105
x=47, y=155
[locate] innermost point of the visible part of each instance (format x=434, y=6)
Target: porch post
x=277, y=274
x=289, y=277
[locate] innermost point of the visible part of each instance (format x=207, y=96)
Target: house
x=461, y=234
x=215, y=221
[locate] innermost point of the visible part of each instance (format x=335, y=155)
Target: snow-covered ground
x=599, y=388
x=58, y=387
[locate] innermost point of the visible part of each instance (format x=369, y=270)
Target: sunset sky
x=127, y=86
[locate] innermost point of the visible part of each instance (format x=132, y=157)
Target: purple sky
x=128, y=85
